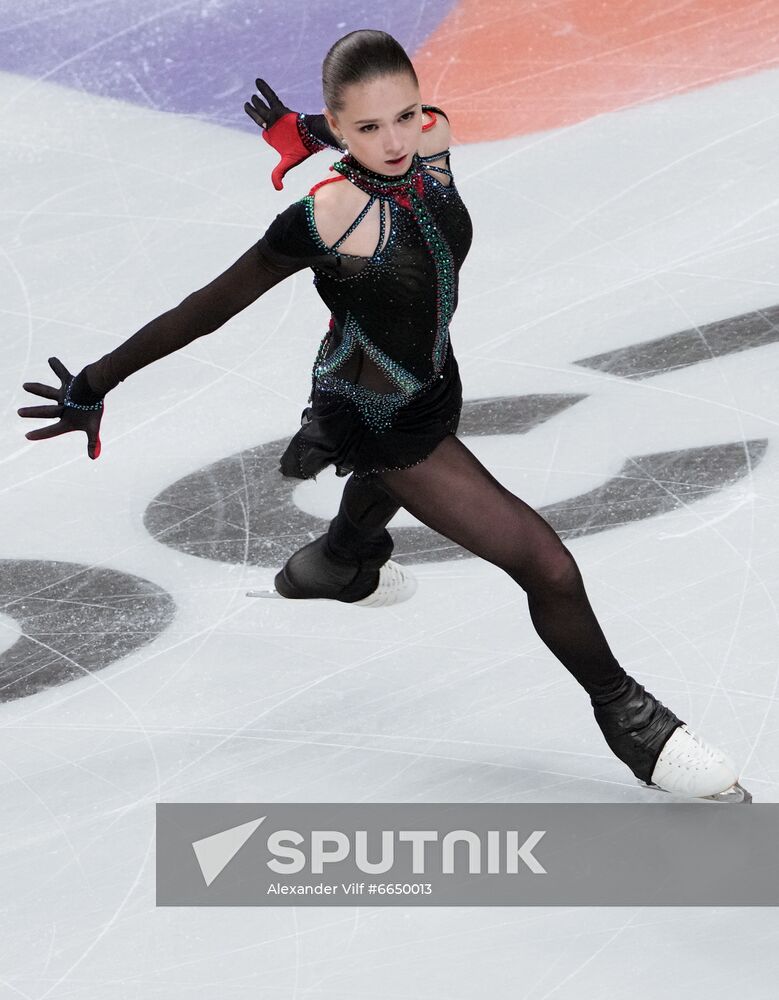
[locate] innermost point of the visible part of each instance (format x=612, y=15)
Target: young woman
x=385, y=238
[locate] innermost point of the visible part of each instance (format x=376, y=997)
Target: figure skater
x=386, y=237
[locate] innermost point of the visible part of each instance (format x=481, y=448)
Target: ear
x=329, y=119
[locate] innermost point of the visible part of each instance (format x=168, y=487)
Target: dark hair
x=358, y=57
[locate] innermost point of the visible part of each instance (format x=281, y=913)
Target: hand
x=70, y=418
x=280, y=130
x=266, y=115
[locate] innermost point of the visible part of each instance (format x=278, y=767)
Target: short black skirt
x=332, y=431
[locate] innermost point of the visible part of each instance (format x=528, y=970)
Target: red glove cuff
x=290, y=137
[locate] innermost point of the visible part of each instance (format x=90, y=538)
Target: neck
x=351, y=160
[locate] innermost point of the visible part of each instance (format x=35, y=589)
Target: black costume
x=385, y=382
x=385, y=402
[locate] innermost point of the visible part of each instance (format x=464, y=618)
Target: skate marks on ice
x=649, y=485
x=241, y=510
x=191, y=58
x=73, y=620
x=688, y=347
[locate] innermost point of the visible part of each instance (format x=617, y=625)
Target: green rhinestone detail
x=405, y=190
x=378, y=409
x=336, y=359
x=403, y=378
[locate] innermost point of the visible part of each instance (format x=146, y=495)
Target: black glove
x=77, y=406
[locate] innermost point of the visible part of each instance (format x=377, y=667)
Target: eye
x=407, y=116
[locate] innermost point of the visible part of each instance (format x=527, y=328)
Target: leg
x=453, y=493
x=344, y=562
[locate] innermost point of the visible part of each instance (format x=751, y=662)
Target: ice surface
x=604, y=256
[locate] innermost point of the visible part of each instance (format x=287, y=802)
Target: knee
x=551, y=569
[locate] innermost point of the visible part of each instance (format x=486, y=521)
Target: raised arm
x=294, y=135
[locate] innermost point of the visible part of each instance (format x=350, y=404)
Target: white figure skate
x=689, y=767
x=396, y=584
x=661, y=750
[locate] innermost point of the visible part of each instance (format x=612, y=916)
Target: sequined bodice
x=390, y=312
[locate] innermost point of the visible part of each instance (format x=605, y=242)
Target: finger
x=40, y=411
x=60, y=370
x=252, y=113
x=269, y=94
x=277, y=174
x=47, y=432
x=93, y=445
x=39, y=389
x=259, y=117
x=262, y=109
x=93, y=433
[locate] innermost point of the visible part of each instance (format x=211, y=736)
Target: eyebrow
x=372, y=121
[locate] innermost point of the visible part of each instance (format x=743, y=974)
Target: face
x=381, y=121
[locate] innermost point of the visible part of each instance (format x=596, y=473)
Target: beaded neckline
x=351, y=161
x=387, y=185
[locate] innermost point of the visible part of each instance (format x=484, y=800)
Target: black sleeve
x=285, y=248
x=316, y=134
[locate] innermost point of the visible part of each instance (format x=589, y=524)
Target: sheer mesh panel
x=366, y=230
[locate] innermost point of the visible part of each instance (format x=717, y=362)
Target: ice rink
x=618, y=340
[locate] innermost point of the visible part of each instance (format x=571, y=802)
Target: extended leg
x=453, y=493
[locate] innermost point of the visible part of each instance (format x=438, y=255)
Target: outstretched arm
x=79, y=401
x=201, y=312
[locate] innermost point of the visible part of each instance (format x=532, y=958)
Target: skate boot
x=689, y=766
x=660, y=749
x=395, y=584
x=315, y=572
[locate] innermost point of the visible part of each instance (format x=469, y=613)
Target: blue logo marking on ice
x=214, y=853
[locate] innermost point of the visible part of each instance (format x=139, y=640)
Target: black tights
x=453, y=493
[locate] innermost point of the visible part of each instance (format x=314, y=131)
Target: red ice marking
x=327, y=180
x=501, y=55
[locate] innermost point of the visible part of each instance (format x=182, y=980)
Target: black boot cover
x=636, y=726
x=315, y=571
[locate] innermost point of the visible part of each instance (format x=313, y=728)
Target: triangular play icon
x=215, y=852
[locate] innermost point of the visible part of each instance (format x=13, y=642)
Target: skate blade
x=736, y=794
x=272, y=592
